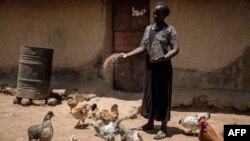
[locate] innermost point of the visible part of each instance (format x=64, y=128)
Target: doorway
x=130, y=20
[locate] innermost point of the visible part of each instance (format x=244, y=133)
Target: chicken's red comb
x=202, y=119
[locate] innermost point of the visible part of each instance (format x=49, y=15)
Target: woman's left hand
x=123, y=55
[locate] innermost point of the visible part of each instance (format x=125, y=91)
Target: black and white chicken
x=43, y=131
x=191, y=122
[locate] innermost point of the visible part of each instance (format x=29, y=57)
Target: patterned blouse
x=162, y=38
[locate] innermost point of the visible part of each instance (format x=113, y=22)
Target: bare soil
x=15, y=119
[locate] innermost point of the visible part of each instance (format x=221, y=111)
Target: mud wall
x=213, y=36
x=214, y=43
x=79, y=31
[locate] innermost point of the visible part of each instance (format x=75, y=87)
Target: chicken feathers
x=191, y=122
x=43, y=131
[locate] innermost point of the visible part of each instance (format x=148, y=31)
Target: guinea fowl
x=43, y=131
x=191, y=122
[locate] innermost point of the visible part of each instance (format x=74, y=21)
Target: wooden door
x=130, y=19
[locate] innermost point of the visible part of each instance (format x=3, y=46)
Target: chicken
x=81, y=113
x=190, y=122
x=94, y=111
x=105, y=116
x=43, y=131
x=128, y=134
x=73, y=138
x=107, y=132
x=72, y=103
x=207, y=133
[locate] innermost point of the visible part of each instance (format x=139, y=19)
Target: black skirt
x=157, y=89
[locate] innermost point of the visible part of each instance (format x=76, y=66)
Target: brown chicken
x=43, y=131
x=207, y=133
x=81, y=113
x=105, y=116
x=72, y=103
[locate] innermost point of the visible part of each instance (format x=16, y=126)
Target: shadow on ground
x=171, y=131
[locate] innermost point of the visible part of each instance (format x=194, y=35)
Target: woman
x=157, y=85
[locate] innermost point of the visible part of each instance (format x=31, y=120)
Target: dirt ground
x=15, y=119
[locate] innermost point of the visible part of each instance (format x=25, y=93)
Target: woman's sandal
x=146, y=127
x=160, y=135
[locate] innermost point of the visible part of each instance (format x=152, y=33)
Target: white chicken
x=128, y=134
x=73, y=138
x=107, y=132
x=191, y=122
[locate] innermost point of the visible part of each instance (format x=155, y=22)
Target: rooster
x=105, y=116
x=190, y=122
x=72, y=103
x=43, y=131
x=81, y=113
x=207, y=133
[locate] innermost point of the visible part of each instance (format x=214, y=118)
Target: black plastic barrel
x=34, y=73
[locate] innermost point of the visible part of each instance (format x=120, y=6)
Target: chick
x=105, y=116
x=72, y=103
x=81, y=113
x=43, y=131
x=73, y=138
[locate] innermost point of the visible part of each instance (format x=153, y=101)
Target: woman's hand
x=133, y=52
x=123, y=55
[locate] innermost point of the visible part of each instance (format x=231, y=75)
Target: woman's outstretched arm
x=133, y=52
